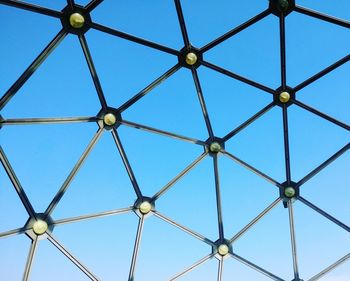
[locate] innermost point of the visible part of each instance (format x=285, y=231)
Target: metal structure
x=76, y=20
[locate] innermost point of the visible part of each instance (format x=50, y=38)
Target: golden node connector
x=76, y=20
x=223, y=250
x=289, y=192
x=40, y=227
x=191, y=58
x=284, y=97
x=145, y=207
x=109, y=119
x=215, y=147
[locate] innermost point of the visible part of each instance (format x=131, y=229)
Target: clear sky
x=43, y=155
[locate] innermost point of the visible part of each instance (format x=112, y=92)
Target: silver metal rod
x=218, y=197
x=179, y=176
x=150, y=87
x=323, y=213
x=251, y=168
x=93, y=72
x=161, y=132
x=255, y=220
x=220, y=268
x=72, y=174
x=256, y=267
x=202, y=102
x=185, y=229
x=330, y=268
x=126, y=163
x=29, y=263
x=49, y=120
x=72, y=258
x=248, y=122
x=192, y=267
x=16, y=184
x=293, y=240
x=32, y=67
x=13, y=232
x=136, y=249
x=93, y=216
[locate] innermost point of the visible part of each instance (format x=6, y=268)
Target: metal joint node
x=289, y=192
x=144, y=206
x=39, y=226
x=214, y=145
x=75, y=20
x=190, y=57
x=284, y=7
x=284, y=96
x=222, y=248
x=109, y=118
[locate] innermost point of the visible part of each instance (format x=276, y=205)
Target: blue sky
x=43, y=155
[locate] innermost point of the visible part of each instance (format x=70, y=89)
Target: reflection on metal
x=191, y=58
x=109, y=119
x=284, y=97
x=223, y=249
x=76, y=20
x=289, y=192
x=215, y=147
x=145, y=207
x=40, y=227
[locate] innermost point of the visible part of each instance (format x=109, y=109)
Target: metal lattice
x=76, y=20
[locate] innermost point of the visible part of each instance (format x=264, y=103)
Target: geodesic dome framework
x=77, y=20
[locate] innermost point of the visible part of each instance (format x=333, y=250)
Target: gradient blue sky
x=43, y=155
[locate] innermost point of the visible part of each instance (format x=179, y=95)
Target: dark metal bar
x=248, y=122
x=192, y=267
x=93, y=216
x=71, y=3
x=255, y=220
x=30, y=258
x=202, y=102
x=330, y=268
x=16, y=184
x=136, y=249
x=238, y=77
x=255, y=267
x=93, y=72
x=220, y=268
x=323, y=165
x=32, y=8
x=126, y=163
x=321, y=16
x=59, y=120
x=322, y=73
x=323, y=213
x=72, y=174
x=235, y=30
x=251, y=168
x=286, y=143
x=179, y=176
x=218, y=197
x=182, y=23
x=31, y=68
x=293, y=240
x=72, y=258
x=322, y=115
x=185, y=229
x=283, y=50
x=132, y=38
x=161, y=132
x=150, y=87
x=92, y=5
